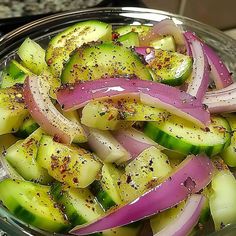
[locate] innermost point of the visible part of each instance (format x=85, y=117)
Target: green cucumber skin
x=174, y=143
x=14, y=200
x=102, y=196
x=60, y=196
x=27, y=128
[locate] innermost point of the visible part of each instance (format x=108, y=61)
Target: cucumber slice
x=109, y=115
x=161, y=220
x=22, y=157
x=142, y=30
x=223, y=197
x=229, y=153
x=32, y=56
x=13, y=74
x=79, y=205
x=12, y=110
x=27, y=128
x=170, y=67
x=183, y=136
x=97, y=115
x=6, y=141
x=67, y=164
x=106, y=59
x=130, y=39
x=106, y=189
x=32, y=204
x=61, y=46
x=143, y=173
x=166, y=43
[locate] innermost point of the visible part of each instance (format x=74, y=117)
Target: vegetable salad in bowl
x=126, y=130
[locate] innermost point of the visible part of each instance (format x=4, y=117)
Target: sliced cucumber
x=229, y=154
x=13, y=74
x=32, y=56
x=92, y=62
x=22, y=157
x=163, y=219
x=27, y=128
x=32, y=204
x=106, y=189
x=67, y=164
x=97, y=115
x=143, y=173
x=165, y=43
x=12, y=110
x=130, y=39
x=61, y=46
x=106, y=147
x=109, y=115
x=79, y=205
x=142, y=30
x=126, y=230
x=223, y=197
x=6, y=141
x=170, y=67
x=183, y=136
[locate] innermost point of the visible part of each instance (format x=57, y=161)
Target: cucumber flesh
x=106, y=189
x=223, y=197
x=79, y=205
x=142, y=30
x=163, y=219
x=27, y=128
x=229, y=153
x=183, y=136
x=143, y=173
x=67, y=164
x=61, y=46
x=32, y=204
x=130, y=39
x=166, y=43
x=106, y=59
x=12, y=110
x=13, y=74
x=170, y=68
x=32, y=56
x=22, y=157
x=109, y=115
x=97, y=115
x=6, y=141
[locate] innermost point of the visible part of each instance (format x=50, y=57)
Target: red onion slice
x=38, y=102
x=223, y=100
x=164, y=27
x=134, y=141
x=219, y=72
x=187, y=219
x=106, y=147
x=192, y=175
x=200, y=79
x=151, y=93
x=148, y=53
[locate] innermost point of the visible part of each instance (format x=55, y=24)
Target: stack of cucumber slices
x=106, y=130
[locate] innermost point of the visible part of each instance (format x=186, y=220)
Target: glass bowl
x=42, y=30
